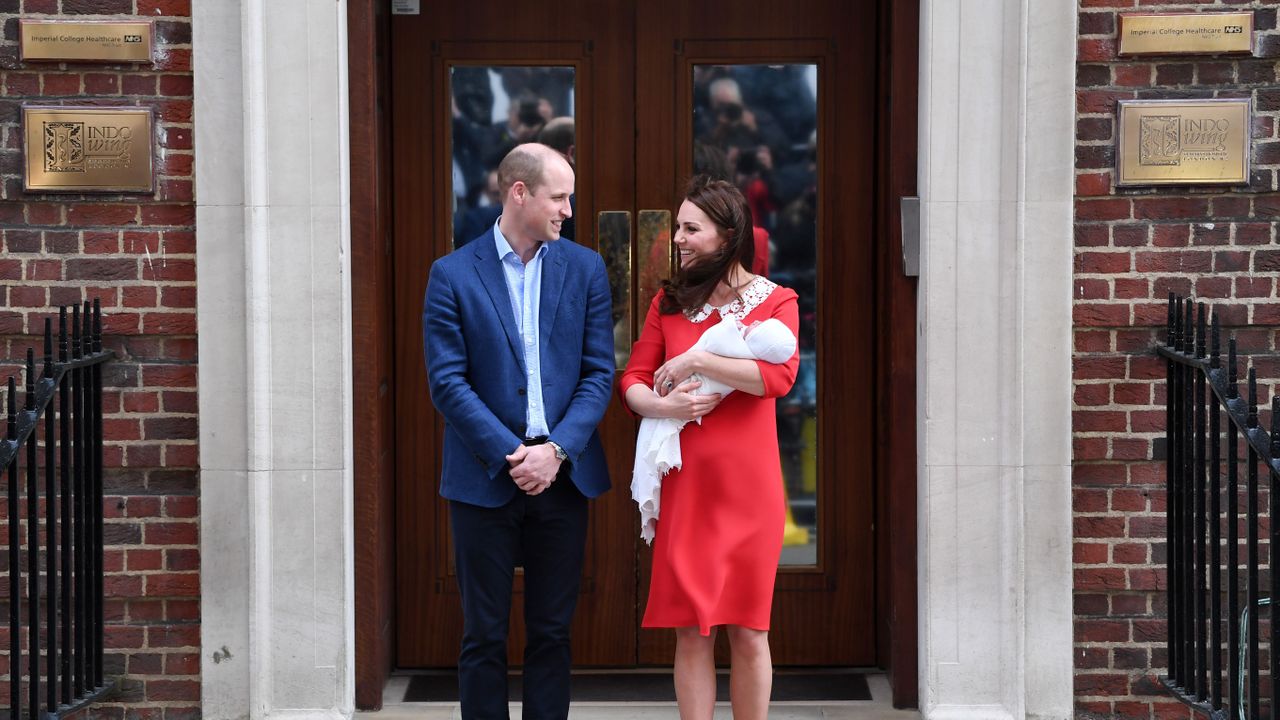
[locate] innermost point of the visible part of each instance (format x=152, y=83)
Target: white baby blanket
x=658, y=443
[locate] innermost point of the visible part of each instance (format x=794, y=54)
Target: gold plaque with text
x=88, y=149
x=1186, y=33
x=1183, y=142
x=91, y=40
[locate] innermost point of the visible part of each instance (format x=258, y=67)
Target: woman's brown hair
x=690, y=287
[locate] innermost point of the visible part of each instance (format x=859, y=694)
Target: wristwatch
x=561, y=455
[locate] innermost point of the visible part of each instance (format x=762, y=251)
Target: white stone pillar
x=272, y=258
x=996, y=182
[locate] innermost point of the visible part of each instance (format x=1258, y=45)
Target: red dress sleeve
x=647, y=355
x=778, y=378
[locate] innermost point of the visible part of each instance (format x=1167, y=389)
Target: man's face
x=546, y=209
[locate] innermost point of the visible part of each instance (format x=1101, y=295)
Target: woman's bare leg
x=750, y=674
x=695, y=673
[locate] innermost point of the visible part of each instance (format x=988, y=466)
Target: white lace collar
x=750, y=298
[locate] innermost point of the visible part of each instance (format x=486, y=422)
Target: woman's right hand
x=682, y=404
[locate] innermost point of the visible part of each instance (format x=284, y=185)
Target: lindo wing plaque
x=87, y=149
x=1183, y=142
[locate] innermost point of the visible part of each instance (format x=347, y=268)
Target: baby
x=658, y=443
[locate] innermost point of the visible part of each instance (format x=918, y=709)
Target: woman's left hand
x=677, y=370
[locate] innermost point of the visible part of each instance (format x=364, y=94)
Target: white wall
x=275, y=358
x=997, y=82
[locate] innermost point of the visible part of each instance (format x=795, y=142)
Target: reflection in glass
x=756, y=126
x=613, y=228
x=495, y=109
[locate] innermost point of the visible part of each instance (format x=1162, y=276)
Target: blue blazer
x=475, y=367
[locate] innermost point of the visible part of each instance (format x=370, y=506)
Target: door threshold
x=647, y=693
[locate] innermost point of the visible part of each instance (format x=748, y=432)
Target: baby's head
x=771, y=340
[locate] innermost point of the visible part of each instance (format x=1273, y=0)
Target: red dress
x=719, y=535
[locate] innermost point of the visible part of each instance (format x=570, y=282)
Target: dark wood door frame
x=373, y=409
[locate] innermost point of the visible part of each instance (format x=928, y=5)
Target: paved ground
x=878, y=708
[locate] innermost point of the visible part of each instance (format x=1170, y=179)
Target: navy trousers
x=546, y=534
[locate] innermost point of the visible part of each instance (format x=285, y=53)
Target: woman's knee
x=691, y=637
x=748, y=641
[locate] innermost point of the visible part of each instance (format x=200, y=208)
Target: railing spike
x=75, y=331
x=1233, y=377
x=1200, y=330
x=1253, y=398
x=48, y=348
x=1171, y=325
x=62, y=334
x=87, y=332
x=12, y=429
x=1275, y=426
x=97, y=326
x=1189, y=328
x=1215, y=343
x=31, y=381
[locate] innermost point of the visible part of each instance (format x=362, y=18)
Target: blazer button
x=520, y=391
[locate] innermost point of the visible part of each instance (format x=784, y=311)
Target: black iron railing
x=1213, y=435
x=56, y=645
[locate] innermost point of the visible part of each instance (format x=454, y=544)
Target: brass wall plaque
x=1183, y=142
x=1186, y=33
x=88, y=149
x=87, y=40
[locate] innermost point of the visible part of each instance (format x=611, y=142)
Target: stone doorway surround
x=994, y=375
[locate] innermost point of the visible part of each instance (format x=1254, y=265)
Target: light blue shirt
x=524, y=288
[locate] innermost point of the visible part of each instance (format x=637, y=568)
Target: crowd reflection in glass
x=756, y=126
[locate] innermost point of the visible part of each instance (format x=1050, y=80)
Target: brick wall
x=1132, y=247
x=136, y=253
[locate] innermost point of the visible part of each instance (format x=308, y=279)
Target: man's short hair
x=558, y=134
x=520, y=165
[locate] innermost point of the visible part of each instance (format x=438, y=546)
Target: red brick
x=1170, y=235
x=173, y=636
x=1092, y=340
x=1187, y=261
x=176, y=533
x=1102, y=262
x=1090, y=235
x=1094, y=50
x=122, y=636
x=148, y=8
x=143, y=559
x=102, y=214
x=1100, y=315
x=1098, y=527
x=1137, y=75
x=1089, y=553
x=161, y=690
x=182, y=664
x=1132, y=393
x=1092, y=394
x=26, y=296
x=60, y=84
x=1098, y=209
x=1098, y=368
x=1093, y=183
x=170, y=584
x=1101, y=630
x=153, y=215
x=1098, y=579
x=1096, y=473
x=1131, y=288
x=101, y=84
x=1130, y=449
x=1088, y=500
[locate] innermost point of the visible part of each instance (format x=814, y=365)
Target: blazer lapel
x=489, y=268
x=553, y=270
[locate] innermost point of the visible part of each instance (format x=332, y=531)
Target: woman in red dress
x=719, y=535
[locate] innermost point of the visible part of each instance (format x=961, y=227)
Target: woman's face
x=697, y=237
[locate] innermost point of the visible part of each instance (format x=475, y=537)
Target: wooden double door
x=778, y=97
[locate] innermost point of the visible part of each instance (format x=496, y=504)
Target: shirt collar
x=504, y=247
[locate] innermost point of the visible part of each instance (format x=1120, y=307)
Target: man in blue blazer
x=519, y=349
